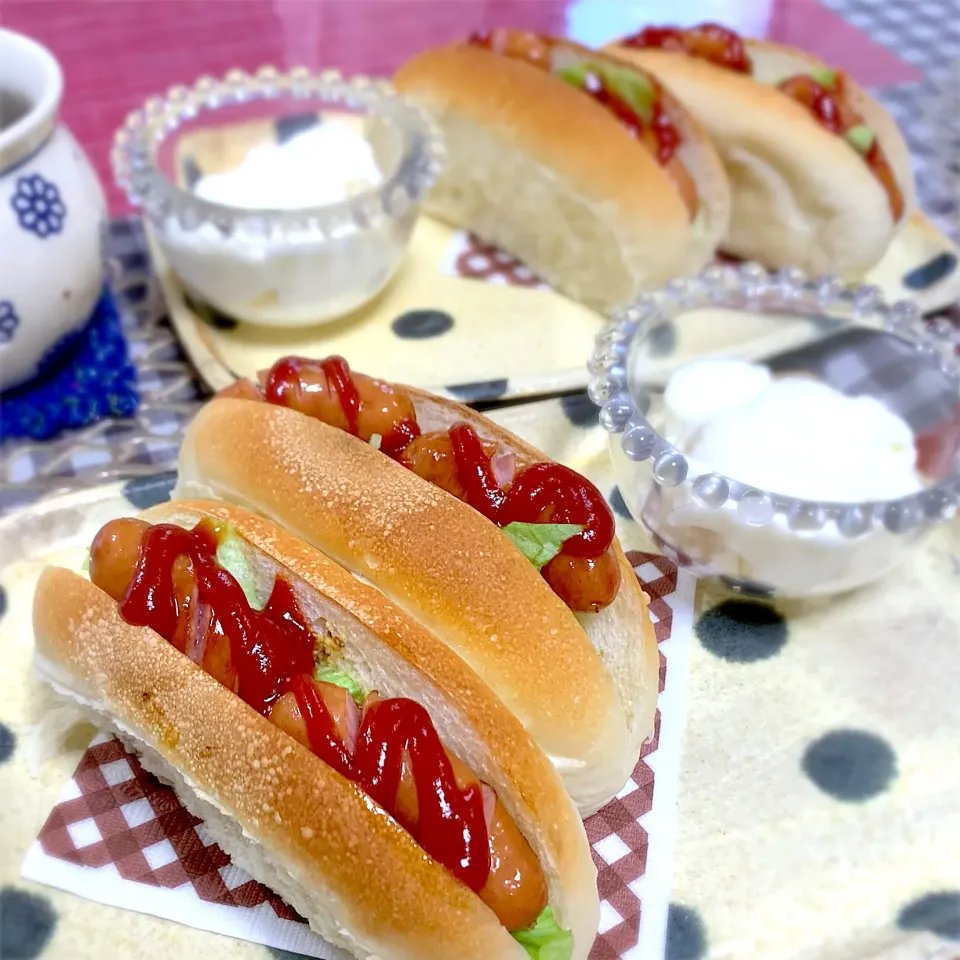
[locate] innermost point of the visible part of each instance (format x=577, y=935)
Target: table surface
x=116, y=54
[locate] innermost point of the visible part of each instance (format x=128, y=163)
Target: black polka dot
x=662, y=341
x=850, y=765
x=618, y=504
x=422, y=324
x=931, y=272
x=7, y=743
x=26, y=923
x=938, y=913
x=480, y=390
x=145, y=492
x=580, y=410
x=287, y=127
x=3, y=601
x=686, y=934
x=741, y=631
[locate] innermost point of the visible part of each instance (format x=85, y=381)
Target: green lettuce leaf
x=631, y=86
x=545, y=940
x=825, y=77
x=329, y=674
x=540, y=542
x=233, y=554
x=375, y=440
x=861, y=138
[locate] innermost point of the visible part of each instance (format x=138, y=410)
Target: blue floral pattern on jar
x=9, y=321
x=38, y=206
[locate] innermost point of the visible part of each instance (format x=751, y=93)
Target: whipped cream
x=320, y=166
x=790, y=435
x=272, y=276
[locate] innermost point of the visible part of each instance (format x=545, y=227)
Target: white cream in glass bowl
x=803, y=457
x=271, y=227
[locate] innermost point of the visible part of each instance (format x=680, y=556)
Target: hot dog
x=509, y=558
x=624, y=186
x=198, y=607
x=820, y=173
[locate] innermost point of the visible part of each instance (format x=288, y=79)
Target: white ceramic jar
x=52, y=214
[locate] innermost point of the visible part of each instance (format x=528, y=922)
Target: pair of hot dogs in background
x=378, y=658
x=610, y=172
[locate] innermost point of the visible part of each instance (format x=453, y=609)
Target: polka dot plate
x=463, y=318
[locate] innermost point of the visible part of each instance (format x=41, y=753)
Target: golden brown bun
x=446, y=565
x=148, y=688
x=802, y=196
x=622, y=633
x=314, y=822
x=540, y=169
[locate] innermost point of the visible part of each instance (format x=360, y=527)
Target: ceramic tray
x=462, y=318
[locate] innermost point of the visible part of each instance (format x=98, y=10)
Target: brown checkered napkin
x=117, y=821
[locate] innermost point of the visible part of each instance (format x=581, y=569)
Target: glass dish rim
x=135, y=142
x=751, y=287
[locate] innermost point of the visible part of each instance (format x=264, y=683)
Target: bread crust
x=526, y=776
x=802, y=196
x=635, y=660
x=390, y=897
x=506, y=119
x=436, y=557
x=600, y=160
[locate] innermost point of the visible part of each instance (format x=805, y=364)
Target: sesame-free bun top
x=802, y=196
x=435, y=557
x=539, y=168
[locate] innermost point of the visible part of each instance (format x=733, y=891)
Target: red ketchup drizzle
x=706, y=41
x=666, y=135
x=267, y=647
x=475, y=471
x=289, y=380
x=553, y=493
x=450, y=824
x=540, y=493
x=340, y=379
x=820, y=101
x=321, y=729
x=399, y=438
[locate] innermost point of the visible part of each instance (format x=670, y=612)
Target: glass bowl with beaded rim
x=280, y=198
x=791, y=437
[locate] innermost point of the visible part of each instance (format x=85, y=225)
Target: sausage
x=431, y=456
x=114, y=555
x=344, y=711
x=303, y=385
x=113, y=559
x=516, y=890
x=585, y=584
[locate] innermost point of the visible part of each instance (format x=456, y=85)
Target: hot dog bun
x=280, y=811
x=802, y=196
x=587, y=698
x=542, y=170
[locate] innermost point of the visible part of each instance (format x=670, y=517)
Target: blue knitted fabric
x=85, y=377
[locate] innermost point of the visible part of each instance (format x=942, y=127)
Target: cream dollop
x=320, y=166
